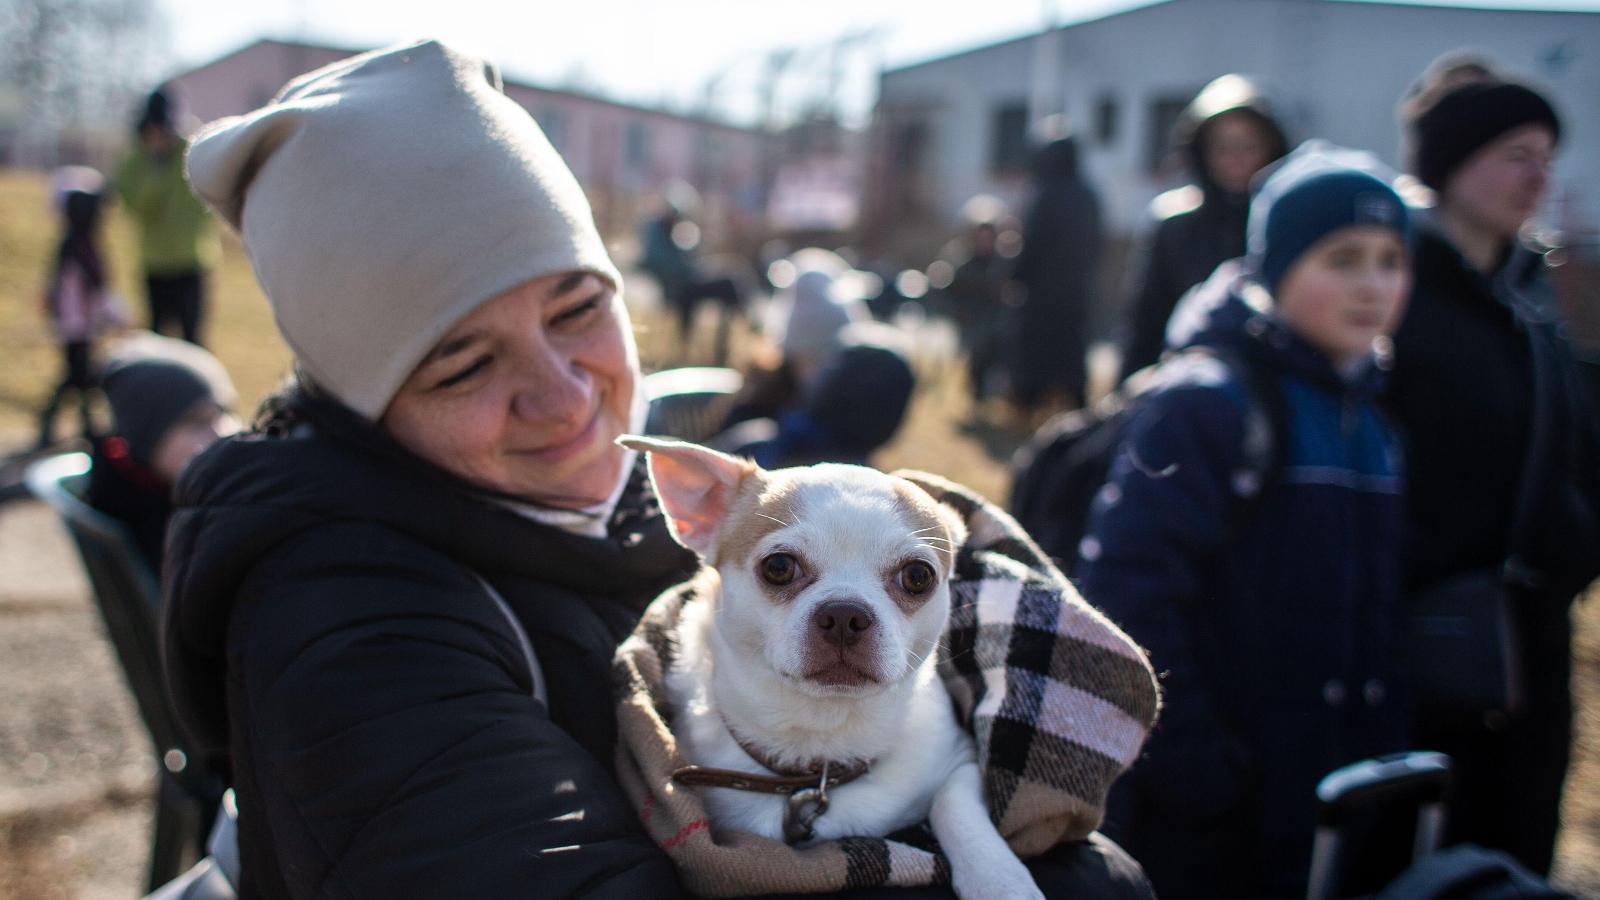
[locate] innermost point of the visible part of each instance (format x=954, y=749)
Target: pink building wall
x=624, y=156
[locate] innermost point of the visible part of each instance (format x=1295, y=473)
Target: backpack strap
x=1266, y=431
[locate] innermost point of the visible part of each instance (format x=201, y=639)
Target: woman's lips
x=567, y=448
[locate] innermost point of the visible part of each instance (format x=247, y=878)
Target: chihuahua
x=805, y=692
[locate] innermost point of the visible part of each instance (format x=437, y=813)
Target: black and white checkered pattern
x=1059, y=699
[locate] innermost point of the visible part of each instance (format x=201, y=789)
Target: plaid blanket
x=1059, y=700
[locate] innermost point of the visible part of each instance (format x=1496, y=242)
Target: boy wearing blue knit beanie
x=1248, y=536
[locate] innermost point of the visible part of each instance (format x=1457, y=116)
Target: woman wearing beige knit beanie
x=391, y=610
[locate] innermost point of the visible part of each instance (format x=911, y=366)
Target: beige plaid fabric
x=1059, y=699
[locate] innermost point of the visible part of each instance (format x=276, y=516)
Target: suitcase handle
x=1421, y=777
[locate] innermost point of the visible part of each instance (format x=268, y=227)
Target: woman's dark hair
x=157, y=111
x=281, y=410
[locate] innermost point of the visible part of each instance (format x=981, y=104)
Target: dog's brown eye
x=779, y=569
x=916, y=577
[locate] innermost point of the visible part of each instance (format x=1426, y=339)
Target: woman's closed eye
x=577, y=312
x=478, y=365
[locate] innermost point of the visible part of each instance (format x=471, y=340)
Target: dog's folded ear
x=697, y=487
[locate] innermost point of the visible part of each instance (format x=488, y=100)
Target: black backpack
x=1056, y=475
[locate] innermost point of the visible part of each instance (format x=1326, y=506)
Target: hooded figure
x=1060, y=252
x=1199, y=226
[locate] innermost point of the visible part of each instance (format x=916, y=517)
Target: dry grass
x=941, y=434
x=239, y=329
x=1578, y=848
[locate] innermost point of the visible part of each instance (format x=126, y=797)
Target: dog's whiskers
x=774, y=519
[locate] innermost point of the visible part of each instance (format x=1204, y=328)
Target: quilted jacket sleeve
x=1160, y=519
x=387, y=743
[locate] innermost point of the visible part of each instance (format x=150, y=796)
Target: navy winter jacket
x=1273, y=615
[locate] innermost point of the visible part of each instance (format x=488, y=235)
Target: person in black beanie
x=169, y=402
x=1463, y=390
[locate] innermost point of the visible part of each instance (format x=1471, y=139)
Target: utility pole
x=1045, y=97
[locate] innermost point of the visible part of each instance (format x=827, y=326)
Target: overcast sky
x=650, y=51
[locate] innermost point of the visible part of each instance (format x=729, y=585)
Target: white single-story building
x=951, y=128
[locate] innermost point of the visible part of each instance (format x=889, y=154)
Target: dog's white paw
x=1001, y=878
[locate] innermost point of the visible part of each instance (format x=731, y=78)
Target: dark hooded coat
x=1189, y=240
x=1462, y=392
x=1060, y=254
x=1274, y=616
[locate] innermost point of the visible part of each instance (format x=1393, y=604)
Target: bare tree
x=74, y=67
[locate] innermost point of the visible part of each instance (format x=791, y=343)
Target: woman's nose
x=553, y=389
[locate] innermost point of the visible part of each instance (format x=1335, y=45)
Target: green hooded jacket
x=176, y=234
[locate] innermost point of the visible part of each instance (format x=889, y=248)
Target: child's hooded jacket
x=1271, y=609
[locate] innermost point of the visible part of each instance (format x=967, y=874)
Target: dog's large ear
x=697, y=487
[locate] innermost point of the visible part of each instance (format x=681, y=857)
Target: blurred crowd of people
x=1349, y=415
x=1353, y=440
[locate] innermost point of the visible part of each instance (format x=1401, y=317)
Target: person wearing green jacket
x=177, y=240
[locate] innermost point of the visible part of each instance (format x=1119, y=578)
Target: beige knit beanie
x=383, y=198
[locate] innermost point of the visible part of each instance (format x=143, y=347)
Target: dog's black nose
x=843, y=622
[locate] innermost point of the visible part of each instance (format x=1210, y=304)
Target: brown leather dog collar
x=706, y=776
x=787, y=780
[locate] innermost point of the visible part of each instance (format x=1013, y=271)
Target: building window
x=554, y=125
x=1164, y=115
x=1105, y=120
x=1008, y=148
x=636, y=147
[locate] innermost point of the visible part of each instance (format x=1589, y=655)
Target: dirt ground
x=76, y=767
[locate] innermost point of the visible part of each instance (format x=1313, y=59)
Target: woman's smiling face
x=528, y=394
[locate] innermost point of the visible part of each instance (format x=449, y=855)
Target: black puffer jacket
x=325, y=631
x=323, y=626
x=1462, y=393
x=1462, y=390
x=1197, y=228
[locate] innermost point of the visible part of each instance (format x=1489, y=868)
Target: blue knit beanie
x=1318, y=189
